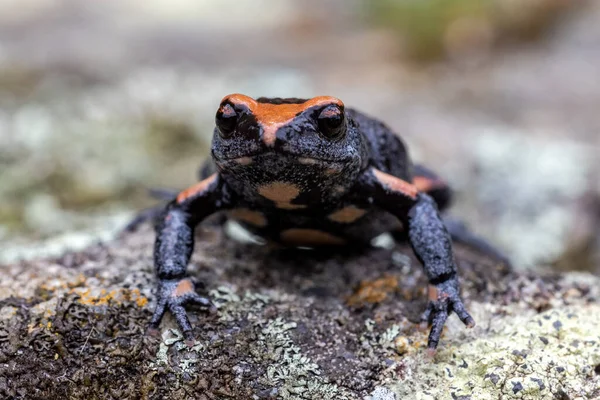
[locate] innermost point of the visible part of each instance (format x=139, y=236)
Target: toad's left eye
x=331, y=122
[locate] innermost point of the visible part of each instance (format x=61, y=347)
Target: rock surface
x=291, y=325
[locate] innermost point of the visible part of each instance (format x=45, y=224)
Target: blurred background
x=101, y=99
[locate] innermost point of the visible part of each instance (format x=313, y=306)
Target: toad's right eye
x=226, y=120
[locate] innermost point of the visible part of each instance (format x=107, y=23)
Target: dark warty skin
x=312, y=173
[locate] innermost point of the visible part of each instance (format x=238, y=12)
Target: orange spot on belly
x=249, y=216
x=347, y=214
x=281, y=193
x=310, y=237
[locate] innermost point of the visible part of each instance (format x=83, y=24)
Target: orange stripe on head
x=271, y=117
x=396, y=184
x=425, y=184
x=196, y=189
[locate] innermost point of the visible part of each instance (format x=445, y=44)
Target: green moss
x=424, y=25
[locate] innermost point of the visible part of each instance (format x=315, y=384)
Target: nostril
x=269, y=135
x=278, y=139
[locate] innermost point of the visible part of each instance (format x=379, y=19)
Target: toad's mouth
x=276, y=162
x=291, y=158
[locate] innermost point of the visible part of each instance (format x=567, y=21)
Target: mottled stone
x=74, y=326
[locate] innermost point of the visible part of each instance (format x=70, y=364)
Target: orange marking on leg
x=396, y=184
x=282, y=193
x=347, y=214
x=432, y=293
x=309, y=237
x=196, y=189
x=424, y=184
x=184, y=287
x=271, y=117
x=251, y=217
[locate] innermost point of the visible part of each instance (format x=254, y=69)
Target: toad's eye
x=331, y=122
x=226, y=120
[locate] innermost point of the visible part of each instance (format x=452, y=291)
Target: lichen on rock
x=284, y=327
x=523, y=356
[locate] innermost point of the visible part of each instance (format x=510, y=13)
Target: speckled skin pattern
x=311, y=173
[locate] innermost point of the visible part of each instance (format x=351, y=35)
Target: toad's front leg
x=430, y=241
x=432, y=245
x=174, y=246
